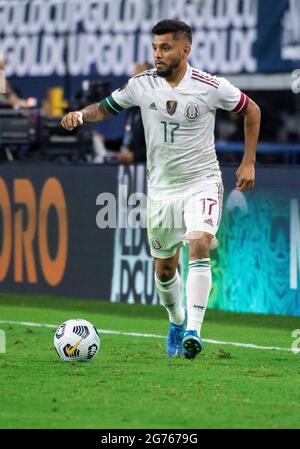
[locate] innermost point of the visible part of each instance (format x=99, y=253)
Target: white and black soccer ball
x=76, y=340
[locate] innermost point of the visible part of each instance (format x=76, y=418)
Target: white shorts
x=171, y=222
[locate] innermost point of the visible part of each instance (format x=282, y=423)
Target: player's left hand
x=245, y=177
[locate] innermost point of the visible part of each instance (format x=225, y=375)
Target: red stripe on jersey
x=208, y=77
x=242, y=104
x=204, y=81
x=211, y=79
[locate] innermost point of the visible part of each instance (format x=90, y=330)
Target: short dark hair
x=173, y=26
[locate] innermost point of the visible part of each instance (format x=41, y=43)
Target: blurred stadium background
x=60, y=55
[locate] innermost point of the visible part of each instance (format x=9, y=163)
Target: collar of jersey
x=184, y=82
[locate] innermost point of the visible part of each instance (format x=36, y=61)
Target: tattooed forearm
x=91, y=113
x=94, y=112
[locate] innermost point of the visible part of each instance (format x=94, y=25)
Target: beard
x=169, y=69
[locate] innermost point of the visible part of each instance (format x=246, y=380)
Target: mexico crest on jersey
x=192, y=111
x=171, y=106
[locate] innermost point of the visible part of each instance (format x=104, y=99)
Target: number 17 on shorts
x=203, y=210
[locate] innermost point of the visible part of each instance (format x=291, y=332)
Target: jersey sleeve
x=122, y=98
x=227, y=96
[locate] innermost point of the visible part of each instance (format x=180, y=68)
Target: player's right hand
x=72, y=120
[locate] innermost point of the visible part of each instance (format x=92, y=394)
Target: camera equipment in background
x=28, y=135
x=91, y=92
x=19, y=130
x=56, y=145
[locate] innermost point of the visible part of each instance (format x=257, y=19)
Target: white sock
x=169, y=294
x=198, y=286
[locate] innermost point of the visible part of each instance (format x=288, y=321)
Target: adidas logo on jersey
x=153, y=106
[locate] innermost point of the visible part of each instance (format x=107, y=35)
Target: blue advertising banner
x=257, y=265
x=277, y=46
x=70, y=231
x=49, y=241
x=108, y=38
x=48, y=43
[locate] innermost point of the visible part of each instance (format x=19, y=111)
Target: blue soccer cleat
x=192, y=344
x=174, y=339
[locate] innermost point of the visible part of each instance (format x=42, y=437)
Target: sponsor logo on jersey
x=153, y=106
x=156, y=244
x=192, y=111
x=171, y=107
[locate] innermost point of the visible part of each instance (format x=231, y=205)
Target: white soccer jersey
x=179, y=126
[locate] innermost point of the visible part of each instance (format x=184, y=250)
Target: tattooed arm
x=92, y=113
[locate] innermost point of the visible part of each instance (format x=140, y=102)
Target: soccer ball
x=76, y=340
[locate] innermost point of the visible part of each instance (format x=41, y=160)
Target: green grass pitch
x=132, y=384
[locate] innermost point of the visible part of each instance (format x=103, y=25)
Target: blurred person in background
x=133, y=148
x=133, y=144
x=10, y=98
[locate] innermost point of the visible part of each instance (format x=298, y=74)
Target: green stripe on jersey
x=111, y=105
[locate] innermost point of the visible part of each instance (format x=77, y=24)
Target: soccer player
x=178, y=105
